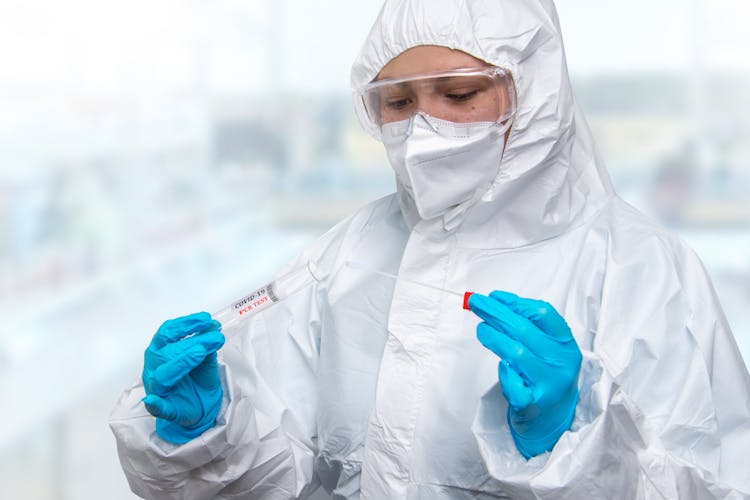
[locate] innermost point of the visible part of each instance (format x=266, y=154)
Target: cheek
x=488, y=111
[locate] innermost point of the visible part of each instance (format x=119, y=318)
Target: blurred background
x=161, y=157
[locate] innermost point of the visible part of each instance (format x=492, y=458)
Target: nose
x=427, y=104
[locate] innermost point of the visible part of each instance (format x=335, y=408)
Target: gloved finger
x=518, y=394
x=503, y=319
x=539, y=312
x=160, y=407
x=206, y=375
x=496, y=314
x=211, y=340
x=173, y=330
x=173, y=371
x=511, y=351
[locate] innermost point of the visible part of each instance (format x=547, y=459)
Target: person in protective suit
x=599, y=366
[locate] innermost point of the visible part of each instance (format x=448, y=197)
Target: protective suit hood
x=550, y=176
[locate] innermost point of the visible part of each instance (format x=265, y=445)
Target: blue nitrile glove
x=539, y=366
x=181, y=377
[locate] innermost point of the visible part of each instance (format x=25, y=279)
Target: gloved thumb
x=518, y=394
x=159, y=407
x=169, y=374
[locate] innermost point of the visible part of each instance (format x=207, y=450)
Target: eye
x=398, y=103
x=462, y=95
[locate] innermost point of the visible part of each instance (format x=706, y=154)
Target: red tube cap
x=466, y=299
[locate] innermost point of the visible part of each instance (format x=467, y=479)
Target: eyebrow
x=399, y=86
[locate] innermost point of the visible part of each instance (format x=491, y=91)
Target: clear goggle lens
x=460, y=96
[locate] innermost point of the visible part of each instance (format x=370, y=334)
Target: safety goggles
x=460, y=96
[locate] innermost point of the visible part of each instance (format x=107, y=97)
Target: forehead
x=428, y=59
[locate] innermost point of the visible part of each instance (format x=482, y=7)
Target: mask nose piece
x=425, y=121
x=405, y=128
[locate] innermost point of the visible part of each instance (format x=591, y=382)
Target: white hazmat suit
x=380, y=390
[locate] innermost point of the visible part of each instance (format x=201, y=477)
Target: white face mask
x=443, y=164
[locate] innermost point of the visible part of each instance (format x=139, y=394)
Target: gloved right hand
x=539, y=368
x=181, y=377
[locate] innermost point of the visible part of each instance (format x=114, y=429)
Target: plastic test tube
x=265, y=296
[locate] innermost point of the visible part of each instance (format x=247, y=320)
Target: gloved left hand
x=181, y=377
x=539, y=366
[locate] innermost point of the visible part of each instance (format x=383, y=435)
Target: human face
x=447, y=84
